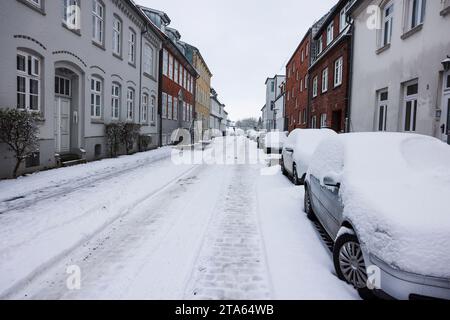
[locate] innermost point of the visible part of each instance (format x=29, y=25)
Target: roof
x=162, y=14
x=197, y=51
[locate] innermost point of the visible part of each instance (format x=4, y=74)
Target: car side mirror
x=331, y=182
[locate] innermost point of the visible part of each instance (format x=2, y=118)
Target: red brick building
x=330, y=70
x=296, y=103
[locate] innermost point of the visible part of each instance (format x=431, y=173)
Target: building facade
x=272, y=92
x=202, y=89
x=297, y=97
x=79, y=65
x=330, y=70
x=217, y=115
x=279, y=109
x=178, y=80
x=401, y=77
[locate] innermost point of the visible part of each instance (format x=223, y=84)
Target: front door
x=62, y=124
x=447, y=98
x=336, y=121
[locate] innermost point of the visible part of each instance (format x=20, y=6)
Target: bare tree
x=19, y=130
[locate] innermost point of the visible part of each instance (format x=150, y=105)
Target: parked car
x=272, y=142
x=251, y=134
x=298, y=149
x=384, y=200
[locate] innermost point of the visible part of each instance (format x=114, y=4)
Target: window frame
x=338, y=72
x=77, y=16
x=131, y=103
x=330, y=33
x=132, y=46
x=117, y=36
x=323, y=120
x=98, y=35
x=115, y=99
x=96, y=94
x=325, y=80
x=411, y=125
x=148, y=64
x=29, y=75
x=382, y=107
x=419, y=19
x=145, y=109
x=164, y=101
x=386, y=38
x=315, y=87
x=169, y=107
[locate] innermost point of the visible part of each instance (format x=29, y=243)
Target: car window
x=328, y=159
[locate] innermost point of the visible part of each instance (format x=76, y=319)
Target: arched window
x=28, y=81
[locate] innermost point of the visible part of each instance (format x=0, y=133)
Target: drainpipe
x=160, y=81
x=140, y=73
x=350, y=79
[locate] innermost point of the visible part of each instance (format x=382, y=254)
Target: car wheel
x=283, y=168
x=308, y=206
x=349, y=264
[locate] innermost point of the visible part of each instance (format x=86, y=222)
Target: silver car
x=383, y=199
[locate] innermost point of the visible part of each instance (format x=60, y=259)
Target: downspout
x=350, y=79
x=140, y=74
x=160, y=81
x=308, y=107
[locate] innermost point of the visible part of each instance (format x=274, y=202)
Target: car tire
x=350, y=266
x=283, y=168
x=308, y=206
x=295, y=178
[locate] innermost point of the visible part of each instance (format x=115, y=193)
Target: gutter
x=140, y=73
x=348, y=109
x=160, y=80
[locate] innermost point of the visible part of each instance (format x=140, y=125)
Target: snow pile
x=275, y=139
x=304, y=142
x=395, y=189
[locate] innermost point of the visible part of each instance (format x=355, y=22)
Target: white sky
x=242, y=41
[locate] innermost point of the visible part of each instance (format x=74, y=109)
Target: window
x=183, y=111
x=175, y=72
x=303, y=55
x=144, y=108
x=36, y=3
x=382, y=110
x=175, y=109
x=28, y=82
x=301, y=85
x=96, y=97
x=148, y=59
x=130, y=104
x=272, y=86
x=314, y=122
x=132, y=47
x=98, y=18
x=169, y=107
x=170, y=66
x=165, y=62
x=338, y=72
x=115, y=101
x=152, y=108
x=343, y=16
x=325, y=80
x=306, y=82
x=411, y=107
x=447, y=82
x=388, y=19
x=330, y=33
x=117, y=36
x=62, y=86
x=315, y=85
x=304, y=116
x=71, y=14
x=416, y=12
x=323, y=120
x=164, y=105
x=320, y=45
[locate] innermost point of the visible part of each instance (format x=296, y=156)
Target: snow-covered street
x=144, y=227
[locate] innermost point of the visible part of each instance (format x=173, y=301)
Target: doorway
x=336, y=121
x=62, y=112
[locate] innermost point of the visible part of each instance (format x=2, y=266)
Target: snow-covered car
x=272, y=142
x=298, y=149
x=384, y=199
x=251, y=134
x=260, y=135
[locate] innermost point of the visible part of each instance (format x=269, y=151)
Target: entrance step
x=71, y=159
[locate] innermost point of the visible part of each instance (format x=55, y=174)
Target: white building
x=279, y=109
x=399, y=80
x=272, y=92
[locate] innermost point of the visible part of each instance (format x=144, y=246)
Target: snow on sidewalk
x=26, y=190
x=300, y=264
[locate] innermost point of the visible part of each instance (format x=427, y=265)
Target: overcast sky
x=242, y=41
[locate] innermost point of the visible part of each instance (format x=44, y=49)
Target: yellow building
x=202, y=90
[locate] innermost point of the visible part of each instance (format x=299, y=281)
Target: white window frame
x=96, y=97
x=382, y=110
x=117, y=36
x=320, y=44
x=314, y=122
x=115, y=101
x=170, y=67
x=175, y=108
x=148, y=59
x=414, y=100
x=144, y=111
x=325, y=80
x=330, y=33
x=165, y=62
x=338, y=71
x=29, y=76
x=387, y=23
x=98, y=27
x=132, y=46
x=164, y=105
x=36, y=3
x=71, y=18
x=152, y=108
x=169, y=107
x=175, y=71
x=131, y=99
x=419, y=15
x=315, y=86
x=323, y=120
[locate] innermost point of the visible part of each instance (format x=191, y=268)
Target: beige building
x=203, y=87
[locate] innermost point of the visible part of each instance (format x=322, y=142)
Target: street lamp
x=446, y=63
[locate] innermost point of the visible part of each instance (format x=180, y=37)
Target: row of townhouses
x=83, y=64
x=369, y=65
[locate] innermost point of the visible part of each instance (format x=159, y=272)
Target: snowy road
x=167, y=231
